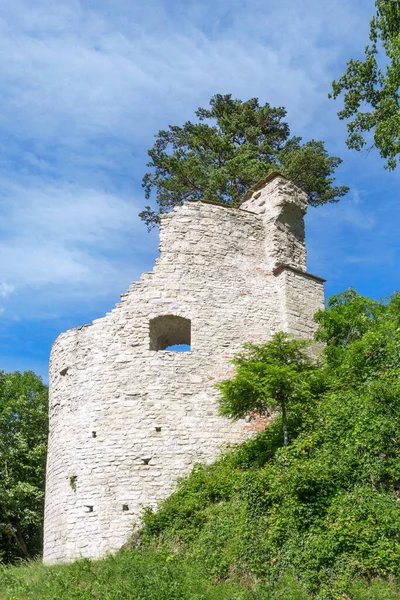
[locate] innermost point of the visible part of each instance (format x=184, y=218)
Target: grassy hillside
x=138, y=575
x=325, y=508
x=130, y=575
x=318, y=519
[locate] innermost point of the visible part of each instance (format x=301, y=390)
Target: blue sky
x=84, y=88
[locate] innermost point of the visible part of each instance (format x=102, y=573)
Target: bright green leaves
x=23, y=443
x=362, y=334
x=371, y=87
x=220, y=160
x=270, y=376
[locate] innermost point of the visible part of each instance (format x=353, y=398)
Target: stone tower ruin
x=127, y=415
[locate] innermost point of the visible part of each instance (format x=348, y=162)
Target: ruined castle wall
x=127, y=420
x=282, y=207
x=302, y=295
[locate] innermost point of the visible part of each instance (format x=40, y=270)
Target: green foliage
x=347, y=318
x=222, y=160
x=361, y=335
x=131, y=575
x=318, y=519
x=326, y=507
x=371, y=86
x=23, y=442
x=147, y=575
x=270, y=376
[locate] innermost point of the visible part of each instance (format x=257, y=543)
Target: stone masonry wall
x=126, y=420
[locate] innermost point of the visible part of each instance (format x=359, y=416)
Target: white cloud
x=71, y=71
x=351, y=212
x=6, y=289
x=60, y=240
x=84, y=87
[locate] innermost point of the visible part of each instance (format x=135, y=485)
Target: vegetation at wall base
x=326, y=507
x=150, y=575
x=269, y=377
x=317, y=519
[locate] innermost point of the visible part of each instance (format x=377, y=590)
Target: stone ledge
x=282, y=267
x=214, y=203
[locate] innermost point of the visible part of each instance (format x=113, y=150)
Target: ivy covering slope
x=327, y=507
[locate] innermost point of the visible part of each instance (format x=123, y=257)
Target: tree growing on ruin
x=232, y=145
x=273, y=376
x=371, y=88
x=23, y=444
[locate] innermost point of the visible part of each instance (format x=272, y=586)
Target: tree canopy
x=270, y=376
x=232, y=145
x=371, y=87
x=23, y=443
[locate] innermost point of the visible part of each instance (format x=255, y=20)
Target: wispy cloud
x=356, y=239
x=63, y=235
x=353, y=212
x=6, y=289
x=86, y=85
x=72, y=72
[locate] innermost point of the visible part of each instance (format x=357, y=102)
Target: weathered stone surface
x=127, y=417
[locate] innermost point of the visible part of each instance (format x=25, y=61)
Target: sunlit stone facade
x=127, y=416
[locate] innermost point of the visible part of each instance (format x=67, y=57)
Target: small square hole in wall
x=72, y=482
x=94, y=434
x=88, y=508
x=125, y=507
x=158, y=429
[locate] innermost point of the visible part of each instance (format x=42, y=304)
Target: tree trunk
x=16, y=534
x=284, y=426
